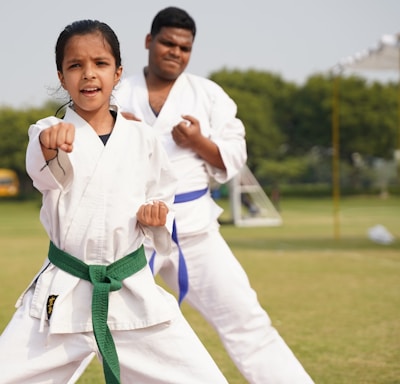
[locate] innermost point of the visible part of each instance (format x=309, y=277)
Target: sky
x=292, y=38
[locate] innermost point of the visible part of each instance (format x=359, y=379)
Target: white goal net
x=250, y=206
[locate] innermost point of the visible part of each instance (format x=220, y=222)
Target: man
x=196, y=121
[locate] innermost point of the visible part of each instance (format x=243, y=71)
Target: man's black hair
x=173, y=17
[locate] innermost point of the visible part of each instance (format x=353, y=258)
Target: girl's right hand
x=59, y=136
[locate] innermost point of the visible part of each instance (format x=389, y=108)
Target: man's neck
x=155, y=82
x=158, y=90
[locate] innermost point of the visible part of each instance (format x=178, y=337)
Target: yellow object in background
x=9, y=183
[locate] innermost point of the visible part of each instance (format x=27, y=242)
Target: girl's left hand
x=153, y=214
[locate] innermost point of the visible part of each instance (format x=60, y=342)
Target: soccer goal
x=250, y=206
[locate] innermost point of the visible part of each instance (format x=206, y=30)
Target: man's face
x=169, y=52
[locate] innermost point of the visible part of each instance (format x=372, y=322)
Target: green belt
x=104, y=279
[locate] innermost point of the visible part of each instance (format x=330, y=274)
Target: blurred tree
x=14, y=126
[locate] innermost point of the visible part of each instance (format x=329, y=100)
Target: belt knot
x=99, y=274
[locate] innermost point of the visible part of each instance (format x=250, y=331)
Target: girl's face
x=89, y=73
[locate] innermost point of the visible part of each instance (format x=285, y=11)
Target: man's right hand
x=130, y=116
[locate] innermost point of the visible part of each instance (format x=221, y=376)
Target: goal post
x=249, y=204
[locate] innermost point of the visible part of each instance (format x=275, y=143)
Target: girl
x=106, y=184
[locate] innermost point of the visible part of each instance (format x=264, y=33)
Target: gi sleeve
x=46, y=175
x=228, y=133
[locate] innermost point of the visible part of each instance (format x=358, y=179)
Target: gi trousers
x=167, y=353
x=220, y=290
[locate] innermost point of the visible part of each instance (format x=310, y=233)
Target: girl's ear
x=61, y=78
x=117, y=76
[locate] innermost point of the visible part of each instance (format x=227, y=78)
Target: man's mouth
x=172, y=60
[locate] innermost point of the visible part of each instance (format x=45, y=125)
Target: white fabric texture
x=197, y=97
x=218, y=285
x=166, y=353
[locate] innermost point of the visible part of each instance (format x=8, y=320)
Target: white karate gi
x=90, y=200
x=218, y=285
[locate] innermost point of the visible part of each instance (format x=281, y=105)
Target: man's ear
x=148, y=41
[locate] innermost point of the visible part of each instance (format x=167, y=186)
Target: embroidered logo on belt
x=50, y=304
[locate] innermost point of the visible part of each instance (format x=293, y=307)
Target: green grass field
x=335, y=302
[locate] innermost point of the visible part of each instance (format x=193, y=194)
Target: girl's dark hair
x=173, y=17
x=84, y=27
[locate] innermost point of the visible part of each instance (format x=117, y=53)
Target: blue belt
x=183, y=279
